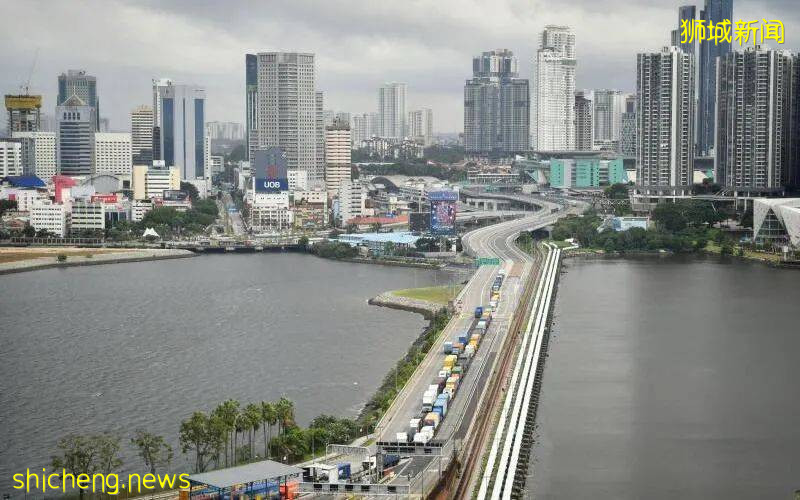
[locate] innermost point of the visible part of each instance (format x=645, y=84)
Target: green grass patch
x=436, y=294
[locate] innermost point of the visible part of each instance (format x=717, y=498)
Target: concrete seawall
x=38, y=263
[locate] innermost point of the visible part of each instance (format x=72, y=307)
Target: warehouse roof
x=256, y=471
x=404, y=238
x=23, y=181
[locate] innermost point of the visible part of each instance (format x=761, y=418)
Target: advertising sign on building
x=443, y=211
x=270, y=170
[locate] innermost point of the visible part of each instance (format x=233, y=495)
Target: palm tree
x=239, y=425
x=227, y=412
x=285, y=410
x=252, y=414
x=268, y=418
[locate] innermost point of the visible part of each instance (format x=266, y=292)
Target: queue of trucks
x=458, y=354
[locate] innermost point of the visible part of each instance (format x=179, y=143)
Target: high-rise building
x=710, y=50
x=342, y=118
x=10, y=157
x=112, y=153
x=338, y=166
x=553, y=106
x=754, y=121
x=496, y=105
x=286, y=113
x=38, y=153
x=182, y=129
x=142, y=135
x=363, y=127
x=584, y=125
x=24, y=113
x=76, y=82
x=627, y=136
x=150, y=181
x=318, y=175
x=794, y=148
x=227, y=131
x=665, y=124
x=251, y=103
x=77, y=122
x=159, y=85
x=392, y=110
x=608, y=108
x=686, y=14
x=420, y=126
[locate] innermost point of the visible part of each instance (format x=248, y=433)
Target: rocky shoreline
x=38, y=263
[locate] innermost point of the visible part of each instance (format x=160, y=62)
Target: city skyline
x=428, y=47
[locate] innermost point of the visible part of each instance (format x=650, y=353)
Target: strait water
x=122, y=346
x=671, y=378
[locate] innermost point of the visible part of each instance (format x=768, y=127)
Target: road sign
x=487, y=261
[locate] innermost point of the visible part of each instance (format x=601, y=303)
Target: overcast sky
x=428, y=44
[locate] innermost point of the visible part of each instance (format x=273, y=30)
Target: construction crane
x=26, y=86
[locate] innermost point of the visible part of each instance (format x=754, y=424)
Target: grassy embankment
x=436, y=294
x=16, y=254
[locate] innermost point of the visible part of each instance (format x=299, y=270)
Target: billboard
x=266, y=185
x=175, y=195
x=443, y=211
x=270, y=170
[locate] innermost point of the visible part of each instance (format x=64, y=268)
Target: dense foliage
x=334, y=250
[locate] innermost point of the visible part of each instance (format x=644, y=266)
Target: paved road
x=234, y=218
x=491, y=241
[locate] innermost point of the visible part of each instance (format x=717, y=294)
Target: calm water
x=117, y=347
x=671, y=378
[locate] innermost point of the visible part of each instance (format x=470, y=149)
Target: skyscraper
x=686, y=14
x=713, y=11
x=665, y=122
x=584, y=125
x=112, y=153
x=23, y=113
x=142, y=135
x=76, y=82
x=159, y=85
x=420, y=126
x=318, y=174
x=392, y=110
x=754, y=122
x=553, y=106
x=627, y=137
x=251, y=103
x=338, y=167
x=496, y=105
x=77, y=122
x=182, y=129
x=608, y=108
x=286, y=108
x=38, y=153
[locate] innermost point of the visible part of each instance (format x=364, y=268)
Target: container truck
x=427, y=401
x=457, y=370
x=435, y=389
x=432, y=419
x=421, y=438
x=481, y=326
x=390, y=460
x=414, y=425
x=478, y=311
x=402, y=437
x=462, y=339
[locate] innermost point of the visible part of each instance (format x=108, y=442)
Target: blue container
x=462, y=339
x=344, y=470
x=478, y=311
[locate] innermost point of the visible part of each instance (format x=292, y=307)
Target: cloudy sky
x=358, y=44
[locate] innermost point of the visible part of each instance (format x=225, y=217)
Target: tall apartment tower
x=392, y=110
x=159, y=86
x=182, y=129
x=496, y=106
x=584, y=124
x=24, y=113
x=76, y=125
x=713, y=11
x=627, y=136
x=38, y=153
x=338, y=167
x=754, y=128
x=665, y=125
x=608, y=108
x=318, y=175
x=76, y=82
x=112, y=153
x=553, y=94
x=251, y=103
x=420, y=126
x=286, y=112
x=142, y=135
